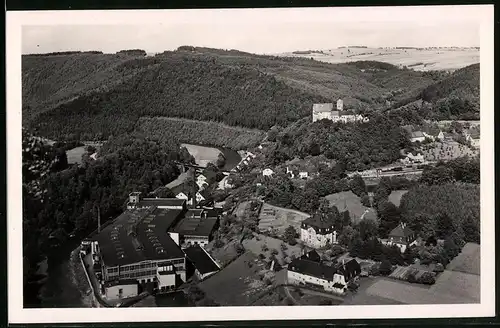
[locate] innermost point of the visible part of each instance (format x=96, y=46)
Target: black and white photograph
x=254, y=164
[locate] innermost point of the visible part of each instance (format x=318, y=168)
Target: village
x=211, y=234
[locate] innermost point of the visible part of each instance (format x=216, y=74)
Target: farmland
x=417, y=59
x=240, y=283
x=348, y=199
x=395, y=196
x=468, y=261
x=450, y=288
x=278, y=218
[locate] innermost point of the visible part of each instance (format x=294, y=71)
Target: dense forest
x=97, y=95
x=358, y=146
x=444, y=209
x=181, y=87
x=198, y=132
x=72, y=196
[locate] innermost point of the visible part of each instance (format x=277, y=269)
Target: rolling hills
x=92, y=95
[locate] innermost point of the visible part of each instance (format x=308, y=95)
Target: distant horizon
x=257, y=31
x=227, y=49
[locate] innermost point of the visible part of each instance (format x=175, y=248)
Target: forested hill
x=97, y=95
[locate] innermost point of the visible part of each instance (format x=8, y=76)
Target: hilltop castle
x=325, y=111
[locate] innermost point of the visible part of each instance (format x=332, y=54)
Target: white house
x=308, y=270
x=290, y=173
x=303, y=175
x=410, y=158
x=189, y=201
x=267, y=172
x=402, y=236
x=473, y=137
x=322, y=111
x=201, y=181
x=317, y=231
x=417, y=136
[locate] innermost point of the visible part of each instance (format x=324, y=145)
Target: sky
x=260, y=31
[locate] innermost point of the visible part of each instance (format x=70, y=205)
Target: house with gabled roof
x=402, y=236
x=417, y=136
x=309, y=270
x=318, y=231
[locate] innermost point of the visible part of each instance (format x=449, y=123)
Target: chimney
x=98, y=219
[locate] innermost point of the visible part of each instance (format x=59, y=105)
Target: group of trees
x=72, y=197
x=357, y=146
x=444, y=210
x=462, y=169
x=199, y=132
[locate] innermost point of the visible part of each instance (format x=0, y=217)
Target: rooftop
x=195, y=226
x=417, y=134
x=149, y=202
x=201, y=260
x=319, y=221
x=319, y=108
x=402, y=230
x=311, y=268
x=139, y=235
x=312, y=256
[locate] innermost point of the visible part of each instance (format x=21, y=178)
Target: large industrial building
x=144, y=244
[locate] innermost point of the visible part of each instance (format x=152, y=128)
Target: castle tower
x=340, y=104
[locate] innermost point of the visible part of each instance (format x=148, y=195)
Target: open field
x=417, y=59
x=353, y=203
x=362, y=297
x=255, y=245
x=395, y=196
x=75, y=155
x=240, y=283
x=203, y=155
x=450, y=288
x=447, y=150
x=278, y=218
x=468, y=261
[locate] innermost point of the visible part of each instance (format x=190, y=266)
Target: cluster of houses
x=326, y=111
x=472, y=136
x=156, y=244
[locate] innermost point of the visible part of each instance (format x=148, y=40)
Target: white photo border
x=17, y=314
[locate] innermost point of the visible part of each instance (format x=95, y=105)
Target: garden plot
x=265, y=245
x=274, y=218
x=447, y=150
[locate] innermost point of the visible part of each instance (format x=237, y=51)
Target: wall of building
x=298, y=278
x=195, y=240
x=166, y=281
x=312, y=239
x=321, y=115
x=113, y=292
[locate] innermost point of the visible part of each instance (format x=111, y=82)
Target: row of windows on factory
x=145, y=266
x=132, y=275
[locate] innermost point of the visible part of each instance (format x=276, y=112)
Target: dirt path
x=287, y=209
